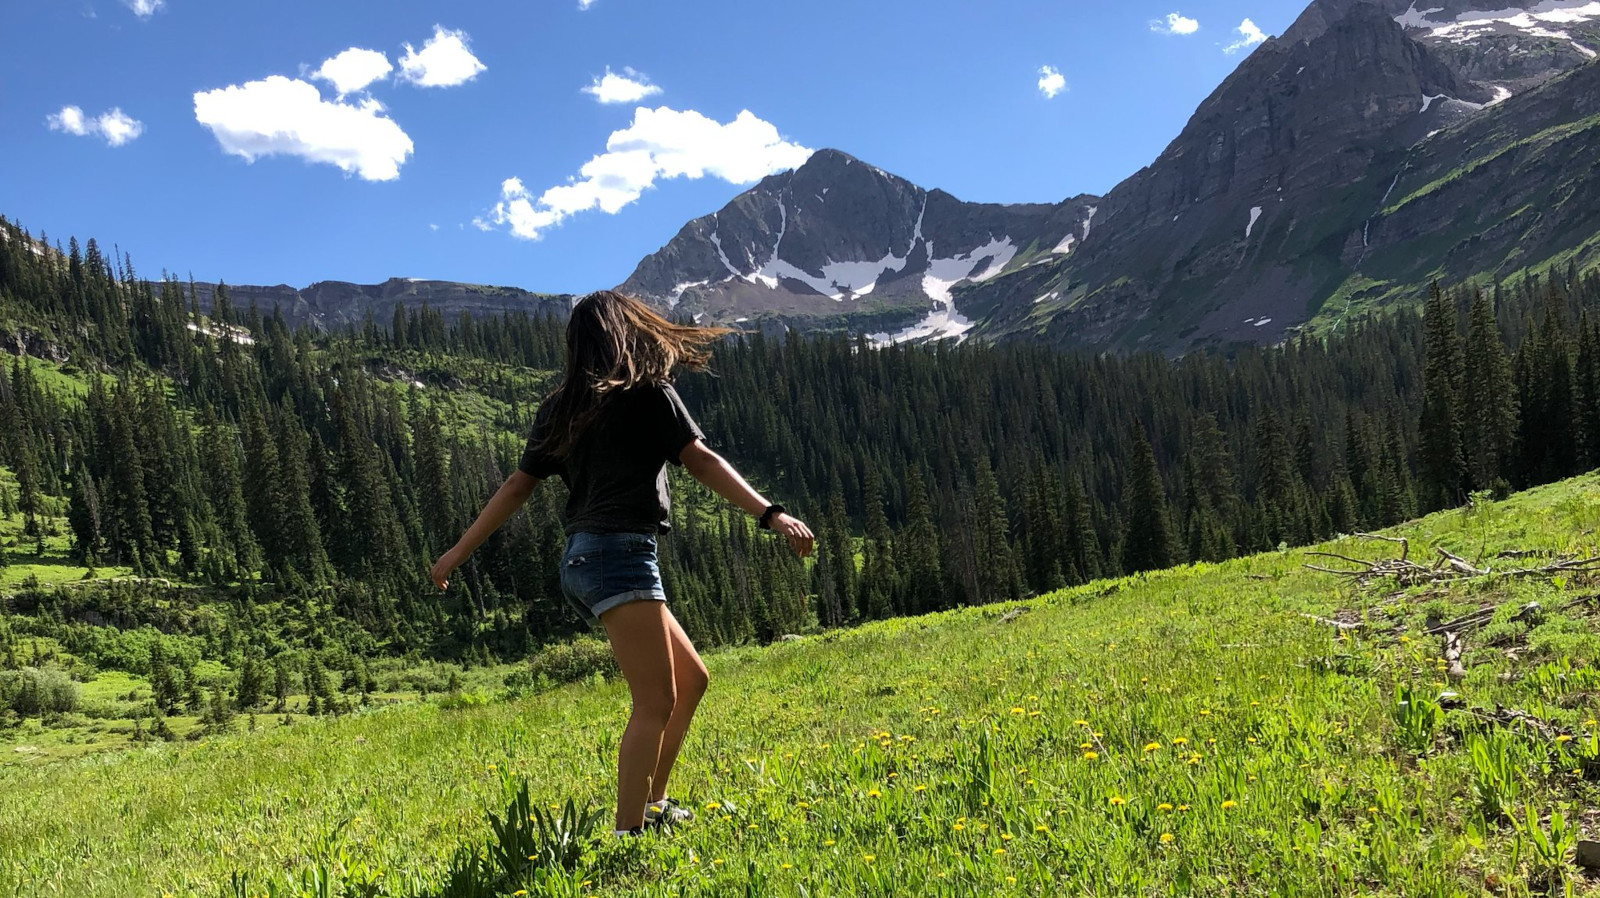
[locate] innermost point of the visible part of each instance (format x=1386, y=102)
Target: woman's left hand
x=795, y=531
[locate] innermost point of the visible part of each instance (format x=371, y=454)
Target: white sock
x=622, y=832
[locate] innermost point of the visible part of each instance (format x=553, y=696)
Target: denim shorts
x=603, y=570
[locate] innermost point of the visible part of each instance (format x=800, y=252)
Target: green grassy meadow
x=1192, y=731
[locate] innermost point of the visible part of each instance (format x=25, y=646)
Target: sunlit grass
x=1188, y=732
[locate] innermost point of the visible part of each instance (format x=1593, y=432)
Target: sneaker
x=628, y=833
x=666, y=812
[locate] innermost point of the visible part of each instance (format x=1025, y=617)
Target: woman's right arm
x=505, y=502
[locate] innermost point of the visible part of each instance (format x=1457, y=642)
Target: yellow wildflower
x=1090, y=756
x=1118, y=801
x=1153, y=746
x=1229, y=805
x=1163, y=807
x=827, y=843
x=1166, y=838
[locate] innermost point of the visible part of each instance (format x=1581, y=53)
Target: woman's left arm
x=720, y=477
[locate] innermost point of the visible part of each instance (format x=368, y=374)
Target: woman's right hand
x=443, y=568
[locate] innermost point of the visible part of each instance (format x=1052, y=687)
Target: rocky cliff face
x=840, y=241
x=1271, y=208
x=328, y=305
x=1270, y=205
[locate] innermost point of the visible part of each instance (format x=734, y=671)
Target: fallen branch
x=1336, y=624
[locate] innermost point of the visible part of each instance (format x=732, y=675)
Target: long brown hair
x=615, y=342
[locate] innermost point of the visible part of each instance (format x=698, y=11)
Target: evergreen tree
x=1147, y=542
x=88, y=530
x=1444, y=468
x=1488, y=400
x=917, y=551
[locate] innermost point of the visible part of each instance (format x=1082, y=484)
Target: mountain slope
x=837, y=239
x=1270, y=209
x=1263, y=209
x=328, y=305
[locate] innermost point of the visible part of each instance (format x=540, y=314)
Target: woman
x=609, y=430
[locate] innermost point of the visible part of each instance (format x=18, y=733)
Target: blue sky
x=212, y=138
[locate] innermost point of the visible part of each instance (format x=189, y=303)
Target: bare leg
x=640, y=634
x=690, y=677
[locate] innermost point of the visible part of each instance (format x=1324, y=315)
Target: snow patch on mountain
x=1255, y=214
x=940, y=279
x=679, y=289
x=1427, y=101
x=1473, y=24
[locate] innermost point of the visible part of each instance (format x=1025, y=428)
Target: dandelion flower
x=828, y=843
x=1154, y=746
x=869, y=858
x=1563, y=738
x=1182, y=808
x=1373, y=809
x=999, y=851
x=1080, y=723
x=1090, y=756
x=919, y=788
x=1205, y=712
x=1229, y=805
x=959, y=827
x=1041, y=828
x=1005, y=837
x=1118, y=801
x=717, y=862
x=1019, y=710
x=1180, y=741
x=788, y=866
x=520, y=892
x=1163, y=807
x=874, y=793
x=1166, y=838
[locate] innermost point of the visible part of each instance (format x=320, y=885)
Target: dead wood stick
x=1405, y=545
x=1452, y=656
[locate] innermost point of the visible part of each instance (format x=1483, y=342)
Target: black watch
x=766, y=516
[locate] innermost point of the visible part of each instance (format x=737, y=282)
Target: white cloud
x=70, y=119
x=1051, y=81
x=353, y=69
x=1175, y=23
x=145, y=8
x=286, y=116
x=1249, y=36
x=660, y=144
x=118, y=128
x=114, y=127
x=444, y=60
x=585, y=4
x=628, y=87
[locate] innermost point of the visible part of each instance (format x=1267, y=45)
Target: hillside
x=1203, y=730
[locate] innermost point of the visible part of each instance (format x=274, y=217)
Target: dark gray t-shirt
x=616, y=473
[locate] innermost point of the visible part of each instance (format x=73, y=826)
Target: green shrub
x=569, y=662
x=32, y=692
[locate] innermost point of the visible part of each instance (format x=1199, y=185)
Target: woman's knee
x=693, y=680
x=655, y=701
